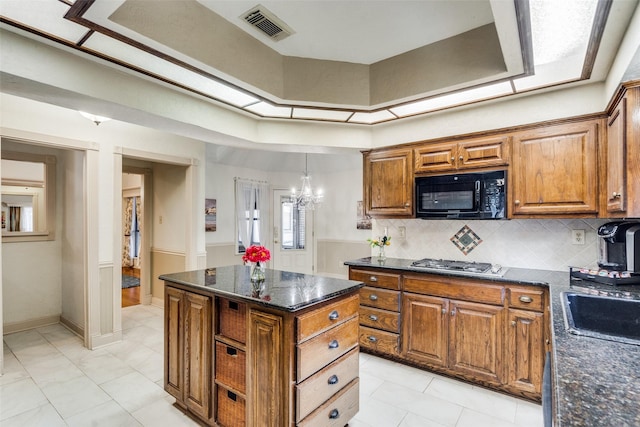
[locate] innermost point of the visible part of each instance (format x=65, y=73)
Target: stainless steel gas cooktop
x=471, y=268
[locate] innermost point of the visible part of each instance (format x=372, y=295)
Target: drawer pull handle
x=373, y=297
x=334, y=415
x=232, y=396
x=333, y=315
x=444, y=311
x=232, y=351
x=233, y=305
x=373, y=317
x=334, y=344
x=525, y=299
x=373, y=339
x=373, y=279
x=333, y=379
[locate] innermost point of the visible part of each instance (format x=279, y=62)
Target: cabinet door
x=617, y=159
x=197, y=357
x=388, y=183
x=555, y=170
x=476, y=340
x=483, y=152
x=436, y=157
x=173, y=344
x=424, y=328
x=525, y=350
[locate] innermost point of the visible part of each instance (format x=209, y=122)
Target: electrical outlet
x=402, y=232
x=577, y=237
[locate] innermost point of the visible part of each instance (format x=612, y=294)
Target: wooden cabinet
x=622, y=167
x=379, y=311
x=554, y=171
x=388, y=183
x=449, y=333
x=188, y=349
x=467, y=154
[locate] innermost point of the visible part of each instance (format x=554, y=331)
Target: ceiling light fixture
x=94, y=118
x=306, y=198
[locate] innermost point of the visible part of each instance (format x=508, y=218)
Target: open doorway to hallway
x=132, y=227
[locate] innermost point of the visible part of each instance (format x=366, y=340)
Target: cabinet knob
x=444, y=311
x=334, y=414
x=453, y=159
x=373, y=279
x=333, y=379
x=525, y=299
x=372, y=338
x=453, y=312
x=616, y=195
x=373, y=297
x=334, y=344
x=334, y=315
x=407, y=204
x=513, y=323
x=460, y=158
x=517, y=202
x=373, y=317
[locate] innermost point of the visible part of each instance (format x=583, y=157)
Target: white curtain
x=252, y=198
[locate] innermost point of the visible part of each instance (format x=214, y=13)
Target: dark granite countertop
x=596, y=382
x=281, y=290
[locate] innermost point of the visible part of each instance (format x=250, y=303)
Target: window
x=293, y=224
x=252, y=213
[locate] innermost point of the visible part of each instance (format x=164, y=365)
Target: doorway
x=293, y=236
x=132, y=226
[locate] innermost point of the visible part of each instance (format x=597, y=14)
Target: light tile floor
x=51, y=380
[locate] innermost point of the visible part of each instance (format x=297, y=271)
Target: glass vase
x=381, y=255
x=257, y=273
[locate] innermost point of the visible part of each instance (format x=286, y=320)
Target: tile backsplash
x=525, y=243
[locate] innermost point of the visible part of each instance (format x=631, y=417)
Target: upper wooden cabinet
x=554, y=171
x=623, y=157
x=388, y=183
x=468, y=154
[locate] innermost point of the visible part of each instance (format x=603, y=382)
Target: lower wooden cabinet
x=487, y=332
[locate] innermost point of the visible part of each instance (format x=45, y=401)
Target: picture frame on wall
x=210, y=211
x=363, y=221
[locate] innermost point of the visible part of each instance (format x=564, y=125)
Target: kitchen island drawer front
x=526, y=298
x=314, y=322
x=380, y=319
x=232, y=317
x=231, y=366
x=455, y=288
x=338, y=410
x=380, y=298
x=376, y=278
x=316, y=353
x=379, y=341
x=315, y=390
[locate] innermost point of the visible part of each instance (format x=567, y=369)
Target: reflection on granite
x=282, y=290
x=596, y=382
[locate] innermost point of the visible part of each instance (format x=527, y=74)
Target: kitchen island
x=282, y=352
x=594, y=381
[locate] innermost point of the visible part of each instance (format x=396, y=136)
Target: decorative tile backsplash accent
x=543, y=244
x=466, y=240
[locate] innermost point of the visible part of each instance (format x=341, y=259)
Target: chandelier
x=306, y=198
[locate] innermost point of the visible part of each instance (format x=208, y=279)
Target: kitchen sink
x=614, y=319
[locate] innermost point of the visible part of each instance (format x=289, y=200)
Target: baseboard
x=98, y=341
x=72, y=326
x=158, y=302
x=10, y=328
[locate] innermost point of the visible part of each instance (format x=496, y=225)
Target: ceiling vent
x=269, y=24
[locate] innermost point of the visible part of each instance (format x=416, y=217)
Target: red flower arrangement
x=256, y=253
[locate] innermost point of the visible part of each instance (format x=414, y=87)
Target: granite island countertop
x=595, y=382
x=281, y=290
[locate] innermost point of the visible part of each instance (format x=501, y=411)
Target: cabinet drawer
x=375, y=278
x=338, y=411
x=380, y=341
x=320, y=387
x=527, y=298
x=314, y=322
x=232, y=319
x=456, y=288
x=230, y=408
x=380, y=298
x=316, y=353
x=231, y=366
x=380, y=319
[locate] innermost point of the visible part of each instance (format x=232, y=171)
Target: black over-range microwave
x=465, y=195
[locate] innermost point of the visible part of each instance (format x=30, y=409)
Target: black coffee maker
x=619, y=246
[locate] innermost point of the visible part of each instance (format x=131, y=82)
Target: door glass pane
x=293, y=225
